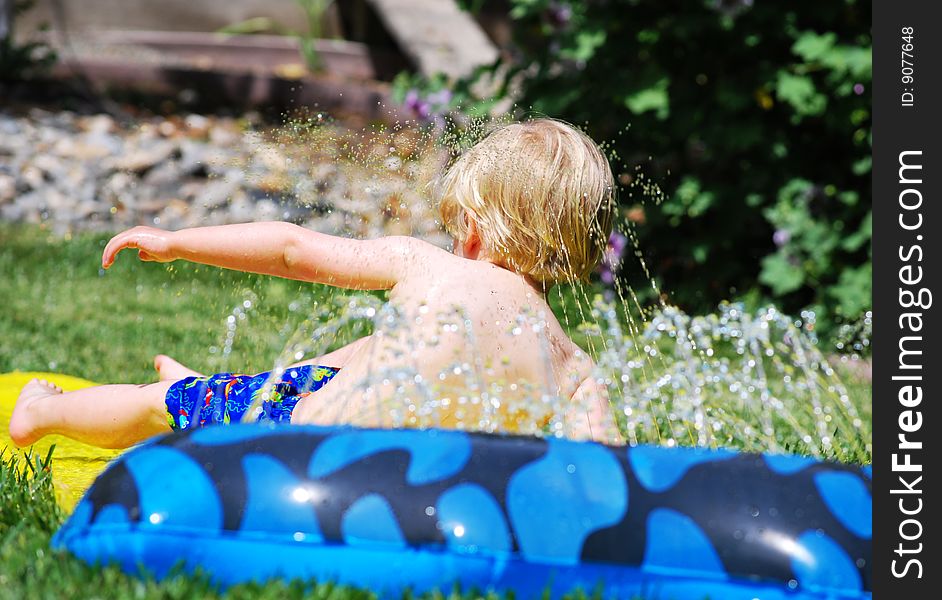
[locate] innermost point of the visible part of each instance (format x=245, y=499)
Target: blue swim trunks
x=224, y=397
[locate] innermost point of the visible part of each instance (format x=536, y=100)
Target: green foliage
x=27, y=60
x=307, y=40
x=433, y=100
x=26, y=492
x=314, y=11
x=742, y=129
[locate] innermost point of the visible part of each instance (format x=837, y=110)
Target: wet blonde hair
x=541, y=194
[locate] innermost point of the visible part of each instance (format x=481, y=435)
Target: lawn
x=61, y=313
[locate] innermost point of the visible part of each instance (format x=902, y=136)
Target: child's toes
x=49, y=385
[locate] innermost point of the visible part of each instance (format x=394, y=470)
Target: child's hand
x=152, y=245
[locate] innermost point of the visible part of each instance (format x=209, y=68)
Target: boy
x=530, y=205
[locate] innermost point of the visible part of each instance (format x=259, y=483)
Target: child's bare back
x=493, y=325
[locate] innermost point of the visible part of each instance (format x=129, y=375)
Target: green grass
x=60, y=313
x=30, y=569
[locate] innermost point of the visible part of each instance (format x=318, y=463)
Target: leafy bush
x=741, y=132
x=21, y=61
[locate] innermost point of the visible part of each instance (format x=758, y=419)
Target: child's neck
x=538, y=287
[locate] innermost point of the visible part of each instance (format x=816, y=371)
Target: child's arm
x=279, y=249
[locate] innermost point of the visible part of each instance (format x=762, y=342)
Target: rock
x=309, y=194
x=11, y=212
x=270, y=158
x=52, y=167
x=193, y=158
x=165, y=174
x=220, y=135
x=218, y=161
x=273, y=183
x=438, y=37
x=118, y=190
x=72, y=148
x=91, y=173
x=88, y=208
x=172, y=216
x=218, y=191
x=24, y=208
x=167, y=129
x=197, y=125
x=241, y=209
x=55, y=202
x=97, y=124
x=9, y=127
x=325, y=174
x=144, y=158
x=266, y=210
x=7, y=188
x=33, y=177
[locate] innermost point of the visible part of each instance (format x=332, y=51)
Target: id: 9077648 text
x=907, y=66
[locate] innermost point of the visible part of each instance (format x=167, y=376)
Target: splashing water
x=240, y=312
x=751, y=380
x=736, y=379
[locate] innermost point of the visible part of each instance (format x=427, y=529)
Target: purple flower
x=439, y=99
x=617, y=244
x=559, y=14
x=858, y=88
x=606, y=275
x=417, y=105
x=612, y=257
x=781, y=237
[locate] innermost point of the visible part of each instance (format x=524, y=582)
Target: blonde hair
x=541, y=194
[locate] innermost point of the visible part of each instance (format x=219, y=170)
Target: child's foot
x=169, y=369
x=24, y=429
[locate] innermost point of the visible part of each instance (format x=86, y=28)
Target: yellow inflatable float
x=74, y=465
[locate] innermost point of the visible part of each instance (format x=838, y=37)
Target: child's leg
x=108, y=416
x=171, y=370
x=338, y=358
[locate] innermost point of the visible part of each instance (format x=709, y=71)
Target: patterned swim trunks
x=224, y=397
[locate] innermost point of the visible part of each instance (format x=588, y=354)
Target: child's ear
x=471, y=246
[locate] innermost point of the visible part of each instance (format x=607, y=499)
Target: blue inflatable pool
x=396, y=509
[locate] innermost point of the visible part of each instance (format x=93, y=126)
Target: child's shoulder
x=408, y=245
x=411, y=255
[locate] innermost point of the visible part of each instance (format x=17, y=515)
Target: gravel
x=71, y=173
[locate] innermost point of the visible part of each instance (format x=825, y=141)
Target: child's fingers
x=117, y=243
x=111, y=249
x=108, y=254
x=150, y=243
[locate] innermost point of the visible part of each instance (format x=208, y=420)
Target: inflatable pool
x=396, y=509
